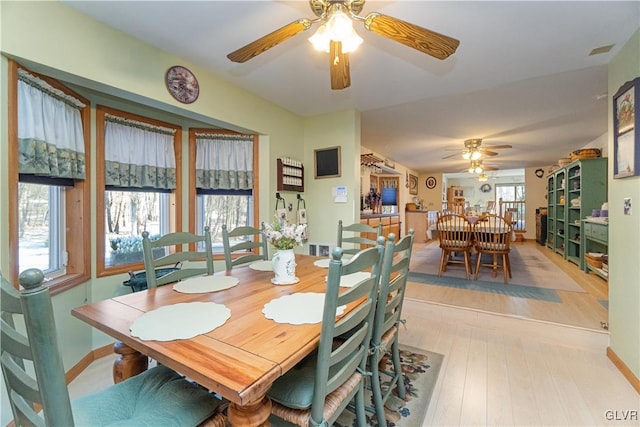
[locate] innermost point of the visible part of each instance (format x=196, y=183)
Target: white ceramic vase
x=284, y=267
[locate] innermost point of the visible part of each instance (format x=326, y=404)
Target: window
x=223, y=187
x=49, y=225
x=41, y=228
x=510, y=192
x=138, y=186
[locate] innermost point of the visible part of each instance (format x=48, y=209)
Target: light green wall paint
x=624, y=230
x=336, y=129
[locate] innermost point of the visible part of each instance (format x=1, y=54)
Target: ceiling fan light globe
x=478, y=169
x=339, y=25
x=352, y=42
x=466, y=155
x=476, y=155
x=320, y=39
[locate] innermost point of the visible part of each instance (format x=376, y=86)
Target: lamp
x=476, y=166
x=483, y=177
x=471, y=154
x=338, y=27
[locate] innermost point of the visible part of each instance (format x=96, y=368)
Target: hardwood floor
x=577, y=309
x=507, y=362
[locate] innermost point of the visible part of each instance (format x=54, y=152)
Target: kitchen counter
x=384, y=215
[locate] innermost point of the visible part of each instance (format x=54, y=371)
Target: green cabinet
x=595, y=239
x=573, y=191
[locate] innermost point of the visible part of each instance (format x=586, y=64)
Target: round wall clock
x=485, y=188
x=539, y=173
x=182, y=84
x=431, y=183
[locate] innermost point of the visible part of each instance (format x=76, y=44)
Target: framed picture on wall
x=625, y=130
x=327, y=162
x=413, y=184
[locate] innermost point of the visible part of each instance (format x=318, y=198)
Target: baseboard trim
x=83, y=363
x=624, y=369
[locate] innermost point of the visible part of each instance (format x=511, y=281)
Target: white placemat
x=202, y=284
x=298, y=308
x=264, y=265
x=322, y=263
x=180, y=321
x=349, y=280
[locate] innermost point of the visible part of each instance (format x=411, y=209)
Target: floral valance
x=224, y=162
x=50, y=132
x=138, y=155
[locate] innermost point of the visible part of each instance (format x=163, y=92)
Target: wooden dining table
x=238, y=360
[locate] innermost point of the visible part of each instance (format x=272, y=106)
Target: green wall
x=624, y=230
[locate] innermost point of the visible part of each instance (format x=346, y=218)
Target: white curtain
x=138, y=155
x=224, y=162
x=50, y=135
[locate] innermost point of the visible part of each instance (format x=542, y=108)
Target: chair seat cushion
x=157, y=397
x=295, y=388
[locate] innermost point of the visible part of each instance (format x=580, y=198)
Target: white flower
x=283, y=235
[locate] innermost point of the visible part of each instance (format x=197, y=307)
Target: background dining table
x=238, y=360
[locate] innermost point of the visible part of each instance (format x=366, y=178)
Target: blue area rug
x=519, y=291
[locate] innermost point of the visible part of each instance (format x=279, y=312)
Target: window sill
x=62, y=283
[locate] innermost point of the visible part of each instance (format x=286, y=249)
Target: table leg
x=253, y=414
x=129, y=364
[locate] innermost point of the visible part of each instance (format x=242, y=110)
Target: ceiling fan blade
x=488, y=153
x=272, y=39
x=414, y=36
x=339, y=66
x=496, y=147
x=451, y=155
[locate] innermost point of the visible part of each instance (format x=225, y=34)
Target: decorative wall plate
x=431, y=182
x=182, y=84
x=485, y=188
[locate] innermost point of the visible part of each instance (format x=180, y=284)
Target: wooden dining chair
x=168, y=251
x=455, y=234
x=243, y=245
x=35, y=379
x=386, y=324
x=360, y=235
x=319, y=388
x=493, y=237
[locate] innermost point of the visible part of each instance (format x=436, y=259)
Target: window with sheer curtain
x=224, y=181
x=51, y=172
x=140, y=179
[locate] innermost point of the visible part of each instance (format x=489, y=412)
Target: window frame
x=175, y=197
x=77, y=198
x=192, y=179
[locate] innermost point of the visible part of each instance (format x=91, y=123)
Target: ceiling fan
x=478, y=167
x=474, y=150
x=336, y=36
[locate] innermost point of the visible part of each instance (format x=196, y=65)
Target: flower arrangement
x=284, y=235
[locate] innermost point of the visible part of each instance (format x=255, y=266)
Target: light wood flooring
x=507, y=363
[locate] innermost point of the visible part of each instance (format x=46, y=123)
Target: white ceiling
x=522, y=74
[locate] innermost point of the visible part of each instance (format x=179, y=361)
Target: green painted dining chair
x=168, y=251
x=384, y=337
x=319, y=388
x=243, y=245
x=35, y=379
x=357, y=235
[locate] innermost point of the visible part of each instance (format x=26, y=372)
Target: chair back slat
x=454, y=231
x=170, y=247
x=339, y=359
x=358, y=236
x=49, y=387
x=254, y=248
x=493, y=235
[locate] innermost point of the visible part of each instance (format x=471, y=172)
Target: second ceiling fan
x=336, y=36
x=474, y=150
